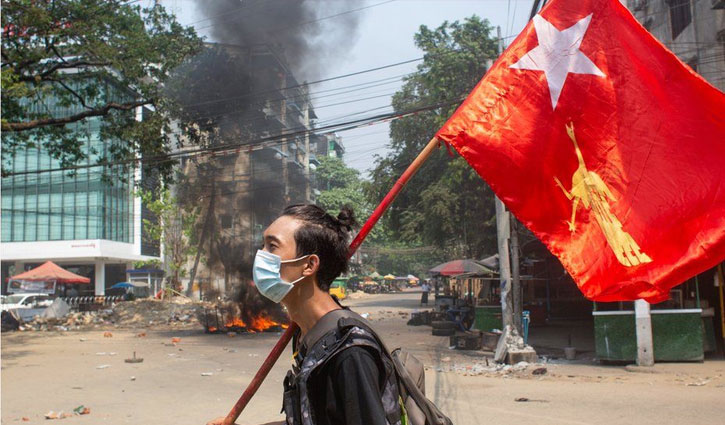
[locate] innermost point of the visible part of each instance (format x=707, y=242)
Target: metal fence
x=92, y=302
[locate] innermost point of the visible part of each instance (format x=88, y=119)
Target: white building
x=84, y=223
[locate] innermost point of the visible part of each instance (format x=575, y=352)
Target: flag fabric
x=606, y=146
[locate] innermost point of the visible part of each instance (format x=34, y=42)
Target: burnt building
x=258, y=126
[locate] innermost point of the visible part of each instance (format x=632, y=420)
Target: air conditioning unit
x=718, y=4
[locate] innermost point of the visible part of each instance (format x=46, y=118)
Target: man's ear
x=312, y=265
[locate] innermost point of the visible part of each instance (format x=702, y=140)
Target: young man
x=425, y=290
x=341, y=378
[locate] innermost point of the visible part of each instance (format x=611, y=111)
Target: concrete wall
x=701, y=44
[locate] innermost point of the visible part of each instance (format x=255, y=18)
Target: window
x=226, y=221
x=693, y=63
x=680, y=16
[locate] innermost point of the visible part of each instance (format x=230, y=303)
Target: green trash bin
x=488, y=317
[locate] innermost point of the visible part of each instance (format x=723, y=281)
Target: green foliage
x=332, y=173
x=69, y=65
x=446, y=205
x=346, y=188
x=173, y=227
x=147, y=264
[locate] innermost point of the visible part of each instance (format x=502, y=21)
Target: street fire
x=219, y=321
x=246, y=311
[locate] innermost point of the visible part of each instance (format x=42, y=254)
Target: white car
x=26, y=301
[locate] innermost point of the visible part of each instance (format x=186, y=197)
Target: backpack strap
x=326, y=324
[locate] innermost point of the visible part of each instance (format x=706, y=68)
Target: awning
x=456, y=267
x=49, y=271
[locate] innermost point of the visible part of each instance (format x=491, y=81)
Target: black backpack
x=409, y=371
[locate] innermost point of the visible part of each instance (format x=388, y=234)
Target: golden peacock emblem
x=589, y=190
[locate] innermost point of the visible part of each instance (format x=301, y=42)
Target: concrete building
x=82, y=222
x=693, y=29
x=246, y=188
x=329, y=145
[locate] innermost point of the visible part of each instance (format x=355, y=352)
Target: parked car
x=25, y=301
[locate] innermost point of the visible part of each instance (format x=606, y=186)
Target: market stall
x=47, y=278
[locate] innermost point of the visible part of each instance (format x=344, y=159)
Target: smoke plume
x=311, y=34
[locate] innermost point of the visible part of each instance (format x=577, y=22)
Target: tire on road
x=443, y=332
x=443, y=324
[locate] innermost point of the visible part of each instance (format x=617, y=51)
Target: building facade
x=84, y=222
x=693, y=29
x=272, y=165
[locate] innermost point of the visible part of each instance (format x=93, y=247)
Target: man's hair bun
x=347, y=218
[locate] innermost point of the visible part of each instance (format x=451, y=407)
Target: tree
x=173, y=228
x=446, y=205
x=342, y=186
x=65, y=62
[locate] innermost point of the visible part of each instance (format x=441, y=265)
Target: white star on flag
x=558, y=54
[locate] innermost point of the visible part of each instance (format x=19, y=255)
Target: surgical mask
x=267, y=278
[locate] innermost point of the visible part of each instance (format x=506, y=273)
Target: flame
x=235, y=323
x=258, y=324
x=261, y=323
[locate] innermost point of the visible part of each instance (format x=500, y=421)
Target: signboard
x=28, y=286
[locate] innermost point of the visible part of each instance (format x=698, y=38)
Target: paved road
x=58, y=371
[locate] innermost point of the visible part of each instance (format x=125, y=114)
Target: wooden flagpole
x=290, y=331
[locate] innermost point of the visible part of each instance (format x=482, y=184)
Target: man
x=425, y=288
x=305, y=249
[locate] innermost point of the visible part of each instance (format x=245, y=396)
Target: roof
x=457, y=267
x=50, y=271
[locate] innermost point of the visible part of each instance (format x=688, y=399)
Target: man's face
x=279, y=239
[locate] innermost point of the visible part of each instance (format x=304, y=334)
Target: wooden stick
x=397, y=187
x=261, y=374
x=287, y=335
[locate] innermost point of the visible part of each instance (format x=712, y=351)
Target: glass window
x=6, y=217
x=56, y=207
x=68, y=231
x=680, y=16
x=81, y=216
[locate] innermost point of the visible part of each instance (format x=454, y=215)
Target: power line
x=259, y=143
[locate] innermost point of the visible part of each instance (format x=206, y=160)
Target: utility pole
x=308, y=189
x=516, y=276
x=503, y=232
x=285, y=169
x=643, y=323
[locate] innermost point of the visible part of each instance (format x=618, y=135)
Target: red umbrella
x=457, y=267
x=50, y=271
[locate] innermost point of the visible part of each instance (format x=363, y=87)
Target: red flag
x=606, y=146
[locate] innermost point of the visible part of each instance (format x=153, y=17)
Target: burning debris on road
x=246, y=312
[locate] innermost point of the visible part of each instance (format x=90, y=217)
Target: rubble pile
x=150, y=311
x=488, y=367
x=177, y=312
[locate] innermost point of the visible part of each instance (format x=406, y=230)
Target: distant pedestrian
x=425, y=287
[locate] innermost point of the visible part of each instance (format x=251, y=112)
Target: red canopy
x=457, y=267
x=51, y=271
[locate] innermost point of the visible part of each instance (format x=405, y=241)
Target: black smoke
x=311, y=34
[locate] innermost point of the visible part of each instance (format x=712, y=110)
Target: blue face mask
x=267, y=278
